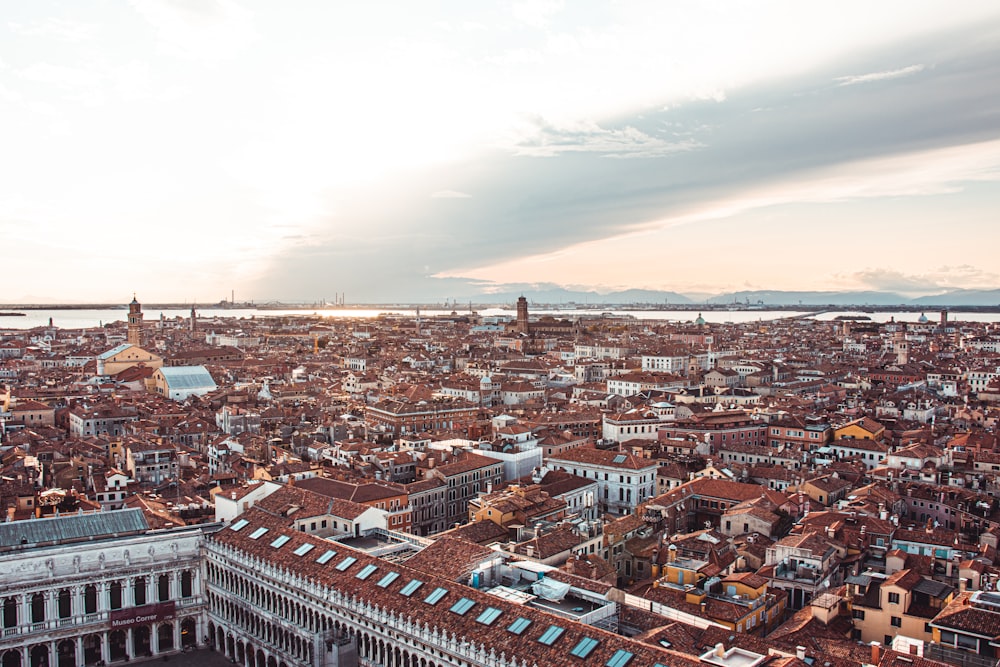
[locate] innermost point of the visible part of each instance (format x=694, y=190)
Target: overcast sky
x=390, y=151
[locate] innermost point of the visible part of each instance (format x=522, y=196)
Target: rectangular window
x=896, y=622
x=462, y=606
x=388, y=579
x=519, y=626
x=584, y=648
x=893, y=598
x=488, y=616
x=550, y=636
x=619, y=659
x=436, y=596
x=346, y=563
x=411, y=588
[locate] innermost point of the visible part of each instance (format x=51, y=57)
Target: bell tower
x=135, y=322
x=522, y=315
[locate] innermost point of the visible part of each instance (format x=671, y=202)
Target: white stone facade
x=99, y=601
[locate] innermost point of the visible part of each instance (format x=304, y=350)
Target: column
x=102, y=596
x=77, y=605
x=105, y=648
x=129, y=643
x=52, y=608
x=79, y=650
x=175, y=584
x=25, y=617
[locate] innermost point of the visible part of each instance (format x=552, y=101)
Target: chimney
x=800, y=652
x=875, y=653
x=720, y=650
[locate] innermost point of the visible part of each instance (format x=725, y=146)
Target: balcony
x=79, y=620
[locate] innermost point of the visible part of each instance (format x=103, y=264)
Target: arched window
x=186, y=584
x=10, y=613
x=139, y=591
x=37, y=608
x=65, y=603
x=90, y=599
x=163, y=588
x=115, y=595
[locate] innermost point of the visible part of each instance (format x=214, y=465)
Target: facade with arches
x=93, y=589
x=278, y=597
x=103, y=589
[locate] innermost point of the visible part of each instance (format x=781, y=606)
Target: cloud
x=536, y=13
x=540, y=138
x=879, y=76
x=209, y=30
x=943, y=278
x=790, y=146
x=60, y=29
x=449, y=194
x=60, y=75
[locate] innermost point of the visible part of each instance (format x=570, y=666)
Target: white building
x=625, y=480
x=642, y=423
x=179, y=382
x=95, y=588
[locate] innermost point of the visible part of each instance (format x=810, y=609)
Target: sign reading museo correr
x=150, y=613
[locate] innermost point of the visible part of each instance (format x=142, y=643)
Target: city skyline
x=390, y=152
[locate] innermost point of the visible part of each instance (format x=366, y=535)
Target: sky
x=189, y=150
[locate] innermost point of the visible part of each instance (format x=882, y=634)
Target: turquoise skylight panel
x=519, y=626
x=436, y=595
x=488, y=616
x=462, y=606
x=550, y=636
x=584, y=647
x=619, y=659
x=346, y=563
x=388, y=579
x=410, y=588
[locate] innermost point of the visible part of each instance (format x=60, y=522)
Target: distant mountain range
x=870, y=298
x=559, y=296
